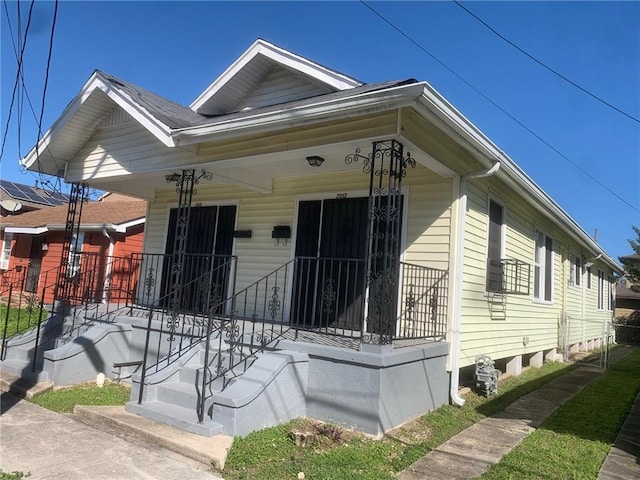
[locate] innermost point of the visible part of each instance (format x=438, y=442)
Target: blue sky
x=176, y=49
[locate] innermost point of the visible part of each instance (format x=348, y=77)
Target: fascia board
x=27, y=230
x=122, y=227
x=64, y=118
x=158, y=129
x=97, y=82
x=510, y=172
x=314, y=70
x=328, y=110
x=279, y=55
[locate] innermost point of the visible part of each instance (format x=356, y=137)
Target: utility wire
x=453, y=72
x=44, y=90
x=17, y=81
x=547, y=67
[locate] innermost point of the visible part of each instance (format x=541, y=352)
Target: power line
x=17, y=81
x=547, y=67
x=44, y=90
x=463, y=80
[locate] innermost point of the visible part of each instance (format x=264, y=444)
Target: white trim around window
x=543, y=273
x=575, y=270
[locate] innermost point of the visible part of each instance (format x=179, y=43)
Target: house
x=17, y=198
x=319, y=246
x=33, y=243
x=627, y=294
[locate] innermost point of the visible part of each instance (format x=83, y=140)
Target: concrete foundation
x=514, y=366
x=536, y=359
x=374, y=391
x=550, y=355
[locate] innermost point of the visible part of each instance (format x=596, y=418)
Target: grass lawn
x=63, y=400
x=20, y=319
x=573, y=441
x=271, y=453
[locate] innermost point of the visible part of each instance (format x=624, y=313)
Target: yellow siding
x=525, y=320
x=427, y=231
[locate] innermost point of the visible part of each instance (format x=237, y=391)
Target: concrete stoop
x=210, y=451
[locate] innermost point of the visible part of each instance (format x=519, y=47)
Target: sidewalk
x=471, y=452
x=49, y=445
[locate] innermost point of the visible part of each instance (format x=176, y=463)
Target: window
x=600, y=289
x=6, y=251
x=575, y=270
x=589, y=278
x=75, y=254
x=495, y=247
x=543, y=268
x=611, y=296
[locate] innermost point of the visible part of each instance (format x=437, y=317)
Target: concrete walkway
x=49, y=445
x=623, y=461
x=471, y=452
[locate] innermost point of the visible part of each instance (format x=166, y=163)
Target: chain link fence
x=586, y=340
x=626, y=334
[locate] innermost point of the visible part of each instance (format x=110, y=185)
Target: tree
x=632, y=262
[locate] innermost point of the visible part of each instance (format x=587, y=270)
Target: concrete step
x=116, y=420
x=181, y=394
x=26, y=385
x=179, y=417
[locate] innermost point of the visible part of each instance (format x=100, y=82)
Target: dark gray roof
x=627, y=293
x=368, y=88
x=170, y=113
x=177, y=116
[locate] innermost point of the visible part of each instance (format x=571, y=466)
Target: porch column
x=67, y=277
x=185, y=183
x=386, y=166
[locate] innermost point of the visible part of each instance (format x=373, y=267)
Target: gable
x=248, y=74
x=280, y=85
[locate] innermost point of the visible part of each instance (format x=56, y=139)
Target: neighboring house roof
x=116, y=216
x=232, y=107
x=633, y=258
x=15, y=196
x=626, y=293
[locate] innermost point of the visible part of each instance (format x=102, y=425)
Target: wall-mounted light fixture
x=172, y=177
x=315, y=160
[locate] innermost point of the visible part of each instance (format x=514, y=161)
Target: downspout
x=456, y=399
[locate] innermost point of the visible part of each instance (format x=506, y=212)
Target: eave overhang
x=321, y=111
x=98, y=82
x=435, y=108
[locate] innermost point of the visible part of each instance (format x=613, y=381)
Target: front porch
x=297, y=329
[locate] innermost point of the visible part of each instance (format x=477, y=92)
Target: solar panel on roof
x=26, y=193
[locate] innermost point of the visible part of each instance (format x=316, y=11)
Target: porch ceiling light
x=315, y=161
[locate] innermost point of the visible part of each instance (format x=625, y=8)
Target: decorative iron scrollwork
x=386, y=165
x=274, y=303
x=328, y=295
x=433, y=305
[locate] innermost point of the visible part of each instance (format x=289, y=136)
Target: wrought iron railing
x=173, y=332
x=12, y=279
x=24, y=312
x=508, y=276
x=423, y=302
x=153, y=280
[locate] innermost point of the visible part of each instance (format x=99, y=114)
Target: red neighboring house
x=110, y=231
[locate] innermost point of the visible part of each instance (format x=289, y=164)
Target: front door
x=330, y=263
x=35, y=265
x=207, y=261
